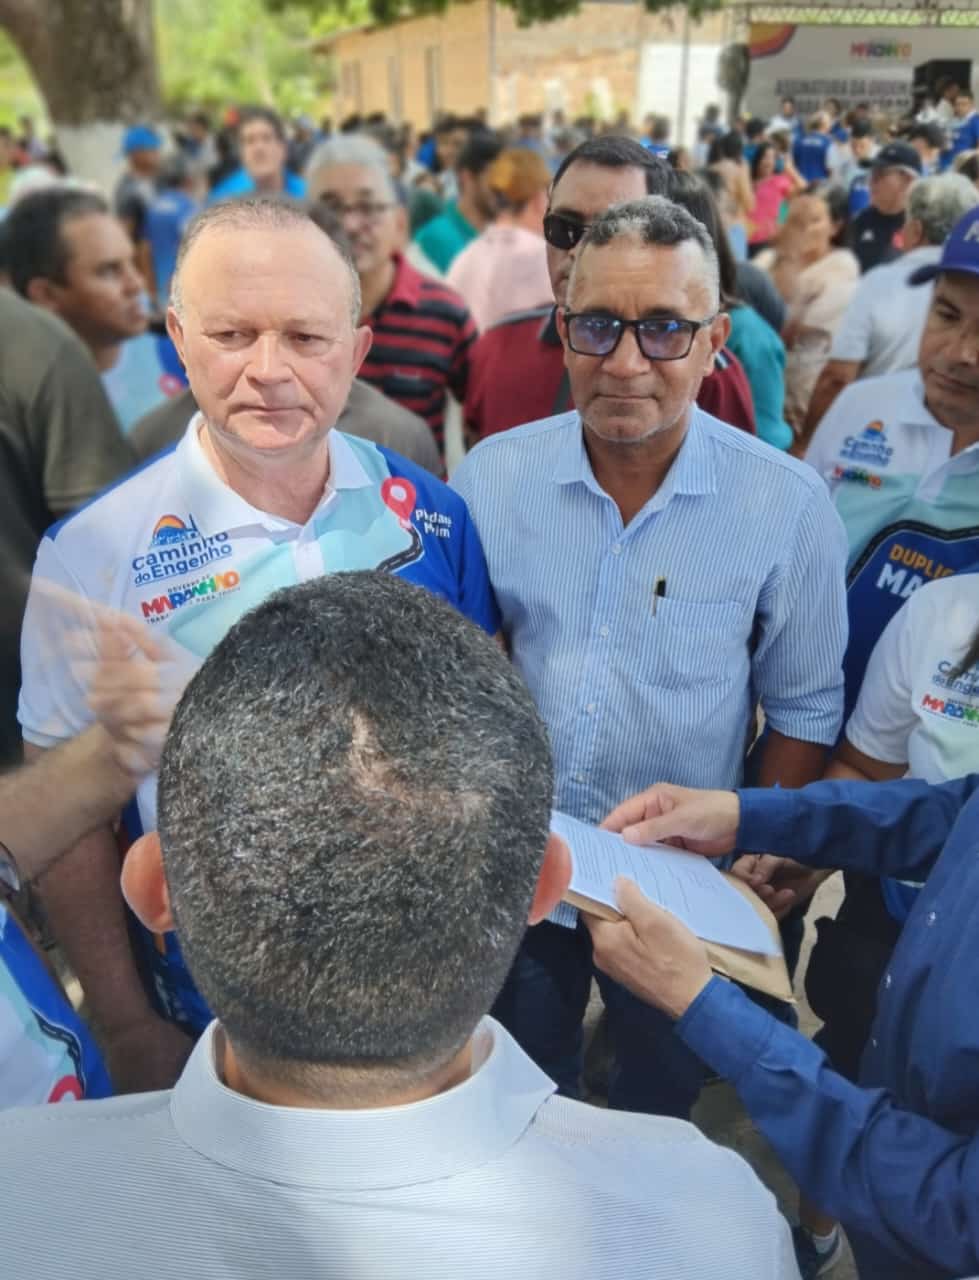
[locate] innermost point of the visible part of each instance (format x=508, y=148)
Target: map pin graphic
x=399, y=495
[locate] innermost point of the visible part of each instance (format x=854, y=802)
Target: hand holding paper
x=685, y=884
x=650, y=952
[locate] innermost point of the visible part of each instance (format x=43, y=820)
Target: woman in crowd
x=772, y=189
x=816, y=277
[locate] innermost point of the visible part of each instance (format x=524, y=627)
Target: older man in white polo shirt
x=354, y=806
x=262, y=491
x=882, y=327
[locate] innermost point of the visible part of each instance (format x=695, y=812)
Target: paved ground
x=721, y=1116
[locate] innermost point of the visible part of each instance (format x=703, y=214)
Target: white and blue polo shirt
x=175, y=547
x=911, y=508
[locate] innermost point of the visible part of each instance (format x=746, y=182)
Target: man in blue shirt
x=166, y=220
x=964, y=129
x=896, y=1158
x=264, y=148
x=658, y=573
x=810, y=151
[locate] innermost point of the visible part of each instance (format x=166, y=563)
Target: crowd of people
x=368, y=496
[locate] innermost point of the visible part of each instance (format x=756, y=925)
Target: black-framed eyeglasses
x=363, y=210
x=594, y=333
x=563, y=232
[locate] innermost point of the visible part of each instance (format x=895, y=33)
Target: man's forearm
x=894, y=1176
x=85, y=907
x=60, y=796
x=879, y=828
x=790, y=762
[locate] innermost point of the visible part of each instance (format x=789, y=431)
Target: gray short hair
x=654, y=220
x=354, y=800
x=353, y=148
x=248, y=213
x=939, y=202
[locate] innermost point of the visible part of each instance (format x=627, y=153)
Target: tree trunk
x=95, y=64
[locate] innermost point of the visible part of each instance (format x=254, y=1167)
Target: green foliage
x=528, y=11
x=246, y=51
x=18, y=94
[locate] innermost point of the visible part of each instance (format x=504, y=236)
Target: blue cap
x=960, y=251
x=140, y=138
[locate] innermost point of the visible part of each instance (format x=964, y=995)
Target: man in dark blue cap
x=874, y=232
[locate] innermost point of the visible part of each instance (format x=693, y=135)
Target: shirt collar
x=693, y=471
x=217, y=508
x=461, y=1129
x=406, y=289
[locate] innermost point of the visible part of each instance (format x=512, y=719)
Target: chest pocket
x=689, y=644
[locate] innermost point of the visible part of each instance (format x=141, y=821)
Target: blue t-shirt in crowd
x=240, y=183
x=963, y=136
x=166, y=222
x=810, y=153
x=859, y=194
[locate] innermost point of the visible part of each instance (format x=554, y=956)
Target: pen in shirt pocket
x=659, y=593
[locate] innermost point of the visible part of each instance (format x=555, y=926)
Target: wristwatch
x=9, y=875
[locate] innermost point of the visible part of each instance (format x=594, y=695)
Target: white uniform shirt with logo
x=883, y=323
x=912, y=708
x=176, y=547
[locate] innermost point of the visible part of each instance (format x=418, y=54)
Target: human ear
x=144, y=886
x=553, y=880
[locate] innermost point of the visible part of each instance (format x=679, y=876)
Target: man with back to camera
x=681, y=572
x=355, y=798
x=264, y=153
x=260, y=492
x=811, y=149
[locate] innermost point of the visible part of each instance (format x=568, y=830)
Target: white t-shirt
x=883, y=323
x=911, y=710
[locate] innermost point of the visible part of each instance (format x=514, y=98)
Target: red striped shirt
x=422, y=337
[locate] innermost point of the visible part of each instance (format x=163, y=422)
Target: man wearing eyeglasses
x=516, y=369
x=659, y=575
x=422, y=331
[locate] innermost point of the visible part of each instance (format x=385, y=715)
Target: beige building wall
x=588, y=63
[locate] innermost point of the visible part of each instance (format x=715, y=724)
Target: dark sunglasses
x=591, y=333
x=562, y=232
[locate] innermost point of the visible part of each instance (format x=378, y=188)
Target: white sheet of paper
x=685, y=884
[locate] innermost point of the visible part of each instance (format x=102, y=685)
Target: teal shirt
x=444, y=237
x=762, y=353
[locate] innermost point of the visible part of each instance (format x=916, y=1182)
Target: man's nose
x=627, y=360
x=267, y=363
x=965, y=348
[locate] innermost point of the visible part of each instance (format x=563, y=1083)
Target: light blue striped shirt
x=754, y=558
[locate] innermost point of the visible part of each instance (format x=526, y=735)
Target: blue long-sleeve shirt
x=896, y=1159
